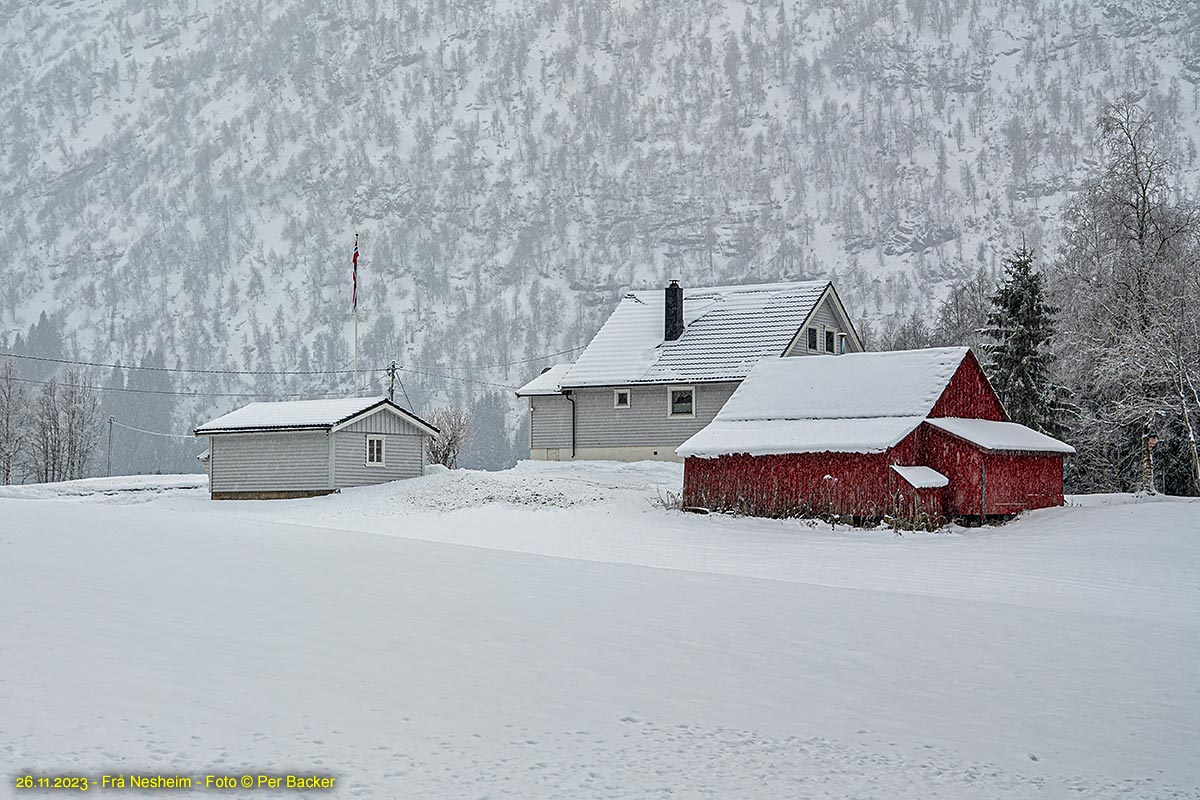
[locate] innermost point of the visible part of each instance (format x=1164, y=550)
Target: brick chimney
x=673, y=324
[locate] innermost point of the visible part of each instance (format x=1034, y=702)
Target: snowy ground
x=587, y=643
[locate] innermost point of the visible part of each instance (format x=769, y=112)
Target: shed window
x=681, y=401
x=375, y=454
x=829, y=340
x=620, y=398
x=812, y=338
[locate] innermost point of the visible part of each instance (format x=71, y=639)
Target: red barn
x=910, y=433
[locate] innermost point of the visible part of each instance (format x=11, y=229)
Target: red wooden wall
x=863, y=484
x=1022, y=481
x=962, y=463
x=969, y=395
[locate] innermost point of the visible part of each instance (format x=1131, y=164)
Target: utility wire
x=178, y=394
x=152, y=433
x=198, y=371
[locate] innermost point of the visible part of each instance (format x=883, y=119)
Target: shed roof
x=302, y=415
x=727, y=329
x=1001, y=436
x=921, y=477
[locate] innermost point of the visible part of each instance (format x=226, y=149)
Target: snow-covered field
x=552, y=631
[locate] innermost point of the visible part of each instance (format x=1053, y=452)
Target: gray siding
x=383, y=422
x=549, y=421
x=269, y=462
x=645, y=423
x=823, y=319
x=403, y=451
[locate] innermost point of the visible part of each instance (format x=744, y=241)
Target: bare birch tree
x=454, y=426
x=1125, y=281
x=80, y=424
x=42, y=455
x=63, y=430
x=12, y=421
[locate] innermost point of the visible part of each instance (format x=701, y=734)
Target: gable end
x=830, y=296
x=969, y=394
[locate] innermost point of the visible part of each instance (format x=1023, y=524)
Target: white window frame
x=826, y=343
x=628, y=398
x=382, y=462
x=670, y=390
x=816, y=333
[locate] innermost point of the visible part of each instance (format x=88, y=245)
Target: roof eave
x=260, y=429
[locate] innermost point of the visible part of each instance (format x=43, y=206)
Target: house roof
x=727, y=329
x=1001, y=436
x=545, y=383
x=303, y=415
x=921, y=477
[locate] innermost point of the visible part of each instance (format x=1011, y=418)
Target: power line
x=152, y=433
x=200, y=371
x=455, y=378
x=177, y=394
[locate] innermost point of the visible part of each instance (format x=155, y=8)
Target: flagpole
x=355, y=304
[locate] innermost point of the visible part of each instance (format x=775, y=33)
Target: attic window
x=812, y=338
x=681, y=401
x=829, y=342
x=620, y=398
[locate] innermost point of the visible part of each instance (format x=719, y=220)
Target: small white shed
x=304, y=448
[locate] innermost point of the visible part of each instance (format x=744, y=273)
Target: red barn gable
x=914, y=432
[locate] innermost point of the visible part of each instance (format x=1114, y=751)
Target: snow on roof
x=766, y=437
x=853, y=403
x=922, y=477
x=290, y=414
x=727, y=330
x=545, y=383
x=889, y=384
x=1003, y=436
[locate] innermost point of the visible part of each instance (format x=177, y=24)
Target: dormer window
x=830, y=337
x=812, y=338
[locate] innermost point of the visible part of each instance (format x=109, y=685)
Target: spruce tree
x=1019, y=361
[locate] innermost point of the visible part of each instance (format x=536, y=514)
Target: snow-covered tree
x=1020, y=330
x=454, y=427
x=1127, y=280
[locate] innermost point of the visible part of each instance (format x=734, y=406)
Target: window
x=681, y=401
x=829, y=340
x=375, y=455
x=812, y=338
x=620, y=398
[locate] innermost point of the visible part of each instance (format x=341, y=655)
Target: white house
x=304, y=448
x=666, y=361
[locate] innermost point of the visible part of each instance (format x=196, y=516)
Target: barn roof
x=1001, y=436
x=854, y=403
x=303, y=415
x=727, y=329
x=902, y=383
x=758, y=437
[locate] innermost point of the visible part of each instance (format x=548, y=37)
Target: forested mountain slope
x=180, y=182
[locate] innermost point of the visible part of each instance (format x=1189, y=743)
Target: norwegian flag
x=354, y=276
